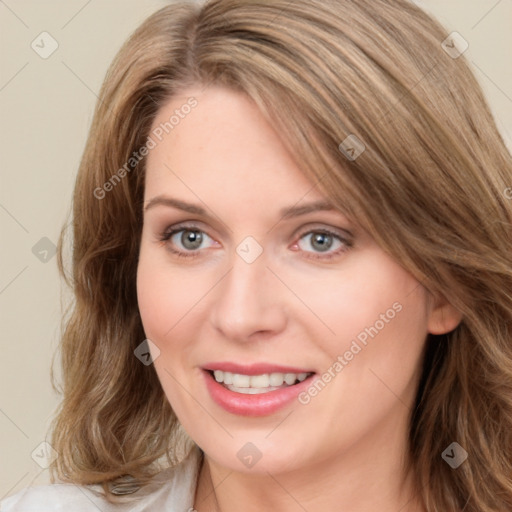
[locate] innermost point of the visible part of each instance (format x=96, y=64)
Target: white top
x=171, y=490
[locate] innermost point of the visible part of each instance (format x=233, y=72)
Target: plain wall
x=46, y=109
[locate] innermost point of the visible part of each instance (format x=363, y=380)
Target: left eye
x=322, y=241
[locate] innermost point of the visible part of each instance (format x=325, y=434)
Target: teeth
x=260, y=381
x=241, y=381
x=252, y=384
x=290, y=378
x=276, y=379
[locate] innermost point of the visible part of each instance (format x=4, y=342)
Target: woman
x=291, y=263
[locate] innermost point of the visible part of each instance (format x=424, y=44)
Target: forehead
x=223, y=149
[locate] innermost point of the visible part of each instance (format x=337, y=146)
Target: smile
x=254, y=390
x=256, y=384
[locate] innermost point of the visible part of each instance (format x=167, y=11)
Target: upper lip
x=253, y=368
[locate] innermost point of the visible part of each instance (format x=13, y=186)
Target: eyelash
x=167, y=235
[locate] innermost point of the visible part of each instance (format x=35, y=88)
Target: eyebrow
x=285, y=213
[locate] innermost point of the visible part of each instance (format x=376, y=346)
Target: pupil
x=320, y=238
x=191, y=239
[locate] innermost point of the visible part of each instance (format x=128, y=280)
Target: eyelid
x=185, y=226
x=341, y=232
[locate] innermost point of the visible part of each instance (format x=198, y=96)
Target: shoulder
x=59, y=497
x=172, y=489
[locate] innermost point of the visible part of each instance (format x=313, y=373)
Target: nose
x=250, y=301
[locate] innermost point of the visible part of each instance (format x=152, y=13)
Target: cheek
x=367, y=297
x=150, y=297
x=162, y=301
x=161, y=293
x=158, y=301
x=372, y=363
x=172, y=301
x=378, y=348
x=377, y=317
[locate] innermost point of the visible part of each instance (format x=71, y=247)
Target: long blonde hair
x=429, y=185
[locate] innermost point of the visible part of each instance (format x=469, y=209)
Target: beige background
x=46, y=108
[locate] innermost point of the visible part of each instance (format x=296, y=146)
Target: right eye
x=188, y=240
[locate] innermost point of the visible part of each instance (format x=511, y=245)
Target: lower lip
x=262, y=404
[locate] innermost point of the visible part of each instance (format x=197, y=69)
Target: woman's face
x=317, y=333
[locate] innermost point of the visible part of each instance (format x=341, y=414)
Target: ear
x=443, y=317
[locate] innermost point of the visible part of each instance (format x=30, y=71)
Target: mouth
x=257, y=384
x=255, y=390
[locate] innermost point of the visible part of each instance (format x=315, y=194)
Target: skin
x=347, y=445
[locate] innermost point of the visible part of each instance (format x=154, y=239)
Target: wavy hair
x=430, y=186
